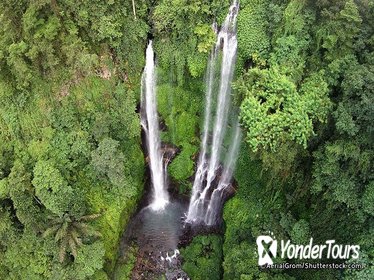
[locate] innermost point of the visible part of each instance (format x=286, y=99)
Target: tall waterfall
x=150, y=124
x=207, y=193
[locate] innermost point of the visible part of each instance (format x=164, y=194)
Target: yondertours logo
x=268, y=249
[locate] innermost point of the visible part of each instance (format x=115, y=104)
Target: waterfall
x=150, y=124
x=217, y=198
x=205, y=202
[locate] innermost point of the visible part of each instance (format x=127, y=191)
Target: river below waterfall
x=157, y=235
x=159, y=230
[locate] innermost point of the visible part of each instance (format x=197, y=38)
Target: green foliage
x=184, y=27
x=29, y=257
x=203, y=257
x=181, y=17
x=300, y=233
x=50, y=187
x=90, y=258
x=315, y=179
x=292, y=40
x=181, y=122
x=206, y=37
x=343, y=183
x=275, y=112
x=343, y=165
x=125, y=264
x=338, y=31
x=4, y=190
x=248, y=214
x=100, y=275
x=7, y=231
x=196, y=64
x=253, y=38
x=70, y=134
x=361, y=274
x=69, y=232
x=21, y=192
x=182, y=166
x=108, y=160
x=67, y=71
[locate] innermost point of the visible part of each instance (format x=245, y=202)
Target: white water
x=150, y=124
x=217, y=199
x=202, y=164
x=203, y=208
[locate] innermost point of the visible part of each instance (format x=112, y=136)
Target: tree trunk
x=133, y=8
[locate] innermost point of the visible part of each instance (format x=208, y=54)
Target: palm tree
x=69, y=232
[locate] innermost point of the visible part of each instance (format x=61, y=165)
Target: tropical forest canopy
x=72, y=170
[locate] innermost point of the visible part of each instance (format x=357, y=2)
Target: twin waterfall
x=150, y=124
x=221, y=131
x=209, y=186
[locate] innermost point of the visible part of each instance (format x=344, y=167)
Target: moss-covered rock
x=180, y=109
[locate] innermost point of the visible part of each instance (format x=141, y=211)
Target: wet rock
x=177, y=275
x=169, y=151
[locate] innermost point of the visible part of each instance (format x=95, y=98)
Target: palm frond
x=76, y=238
x=96, y=233
x=73, y=247
x=88, y=218
x=82, y=228
x=62, y=252
x=53, y=220
x=87, y=230
x=62, y=232
x=69, y=231
x=51, y=230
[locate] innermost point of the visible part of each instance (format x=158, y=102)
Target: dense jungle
x=75, y=168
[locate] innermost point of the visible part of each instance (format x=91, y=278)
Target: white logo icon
x=263, y=253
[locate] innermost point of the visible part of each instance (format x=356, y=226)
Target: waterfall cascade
x=150, y=124
x=209, y=188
